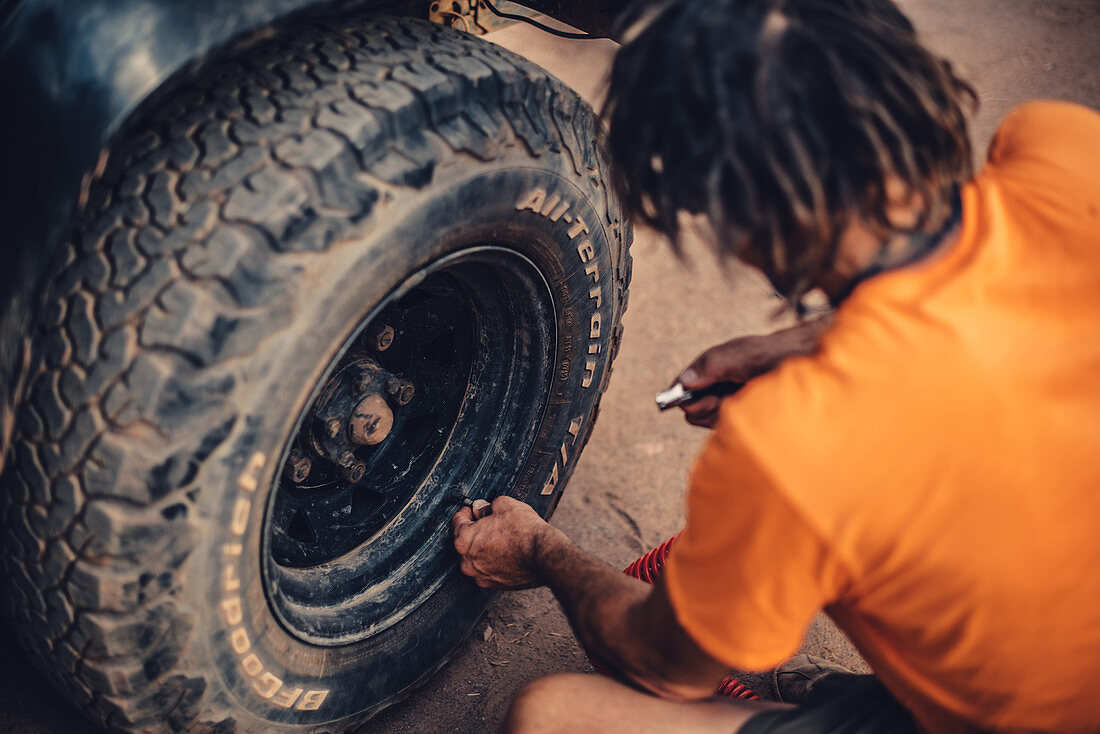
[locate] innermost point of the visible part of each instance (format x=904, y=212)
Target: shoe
x=794, y=680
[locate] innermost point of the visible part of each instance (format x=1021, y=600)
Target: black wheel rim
x=356, y=535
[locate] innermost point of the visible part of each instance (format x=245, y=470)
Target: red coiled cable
x=733, y=688
x=648, y=568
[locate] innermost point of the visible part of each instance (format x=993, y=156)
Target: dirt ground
x=626, y=494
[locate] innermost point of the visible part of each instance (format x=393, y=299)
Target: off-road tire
x=220, y=244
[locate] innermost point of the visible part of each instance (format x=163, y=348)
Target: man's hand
x=499, y=550
x=627, y=625
x=740, y=360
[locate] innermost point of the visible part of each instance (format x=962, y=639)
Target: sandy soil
x=626, y=494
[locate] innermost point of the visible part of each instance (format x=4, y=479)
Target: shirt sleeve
x=748, y=574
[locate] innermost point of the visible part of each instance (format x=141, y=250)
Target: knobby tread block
x=174, y=270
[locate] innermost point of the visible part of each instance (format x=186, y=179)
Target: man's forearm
x=794, y=341
x=612, y=617
x=595, y=597
x=625, y=624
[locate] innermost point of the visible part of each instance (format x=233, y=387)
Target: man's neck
x=863, y=252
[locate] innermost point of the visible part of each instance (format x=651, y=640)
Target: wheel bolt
x=297, y=467
x=355, y=471
x=371, y=421
x=402, y=390
x=351, y=467
x=333, y=428
x=381, y=337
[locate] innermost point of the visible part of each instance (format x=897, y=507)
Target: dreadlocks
x=778, y=121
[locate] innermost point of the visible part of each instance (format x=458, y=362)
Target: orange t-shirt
x=931, y=476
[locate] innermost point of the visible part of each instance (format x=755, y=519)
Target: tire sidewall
x=541, y=212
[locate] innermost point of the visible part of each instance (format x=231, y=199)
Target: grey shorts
x=839, y=703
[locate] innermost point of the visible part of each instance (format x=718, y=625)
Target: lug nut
x=381, y=337
x=351, y=467
x=371, y=421
x=355, y=471
x=297, y=467
x=333, y=428
x=402, y=390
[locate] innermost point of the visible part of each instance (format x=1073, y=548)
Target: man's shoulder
x=1061, y=138
x=875, y=354
x=829, y=428
x=1045, y=118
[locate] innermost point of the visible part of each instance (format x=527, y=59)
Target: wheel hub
x=352, y=412
x=442, y=386
x=371, y=421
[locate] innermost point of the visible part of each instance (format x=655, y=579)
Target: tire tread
x=185, y=235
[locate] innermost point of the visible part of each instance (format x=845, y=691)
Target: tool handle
x=720, y=389
x=680, y=395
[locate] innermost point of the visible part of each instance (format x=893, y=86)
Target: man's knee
x=547, y=705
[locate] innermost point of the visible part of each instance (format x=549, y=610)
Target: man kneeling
x=922, y=466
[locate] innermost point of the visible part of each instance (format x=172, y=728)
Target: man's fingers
x=707, y=421
x=480, y=509
x=461, y=519
x=694, y=376
x=703, y=372
x=702, y=413
x=722, y=363
x=702, y=406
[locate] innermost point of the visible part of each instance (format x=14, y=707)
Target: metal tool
x=680, y=395
x=457, y=496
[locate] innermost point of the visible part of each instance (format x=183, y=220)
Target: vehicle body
x=280, y=275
